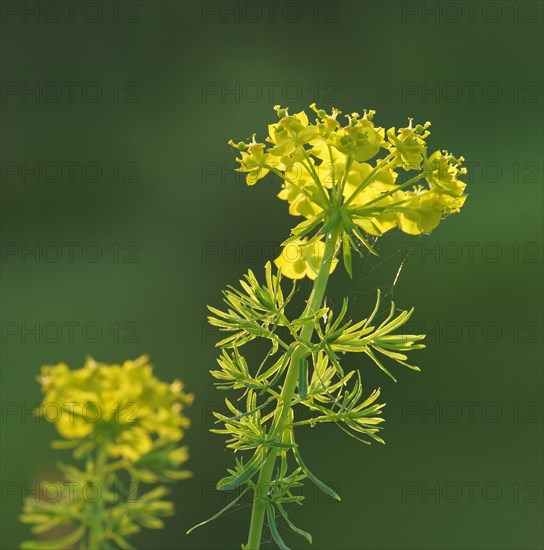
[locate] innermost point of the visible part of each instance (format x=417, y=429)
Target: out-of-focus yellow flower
x=125, y=424
x=123, y=407
x=301, y=259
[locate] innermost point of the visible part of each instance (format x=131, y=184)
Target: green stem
x=260, y=499
x=314, y=175
x=96, y=530
x=349, y=162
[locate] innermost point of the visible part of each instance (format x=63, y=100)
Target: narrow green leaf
x=227, y=419
x=347, y=254
x=361, y=236
x=293, y=527
x=221, y=512
x=303, y=228
x=375, y=359
x=228, y=483
x=325, y=488
x=274, y=528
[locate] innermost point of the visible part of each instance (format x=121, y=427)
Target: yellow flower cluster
x=122, y=407
x=326, y=176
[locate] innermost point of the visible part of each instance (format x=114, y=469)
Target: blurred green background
x=160, y=225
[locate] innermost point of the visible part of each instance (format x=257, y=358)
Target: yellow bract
x=301, y=259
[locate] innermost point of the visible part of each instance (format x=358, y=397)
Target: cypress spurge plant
x=347, y=203
x=125, y=425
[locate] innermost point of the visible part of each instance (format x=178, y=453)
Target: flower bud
x=241, y=146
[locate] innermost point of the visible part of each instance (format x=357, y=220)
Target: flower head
x=123, y=407
x=329, y=179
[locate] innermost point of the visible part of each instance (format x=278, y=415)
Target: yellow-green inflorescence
x=126, y=425
x=351, y=184
x=327, y=174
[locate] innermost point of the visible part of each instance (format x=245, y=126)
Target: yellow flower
x=379, y=218
x=131, y=444
x=312, y=160
x=327, y=124
x=301, y=259
x=421, y=212
x=409, y=144
x=123, y=407
x=360, y=139
x=359, y=172
x=255, y=162
x=290, y=133
x=297, y=188
x=441, y=171
x=333, y=169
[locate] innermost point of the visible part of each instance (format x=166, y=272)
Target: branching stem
x=287, y=394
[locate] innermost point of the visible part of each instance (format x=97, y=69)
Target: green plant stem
x=260, y=500
x=96, y=531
